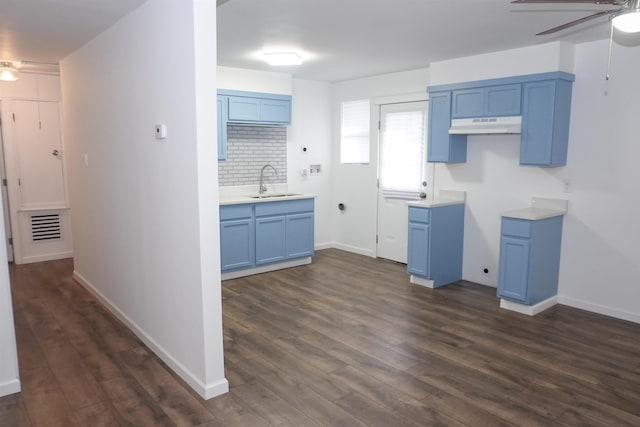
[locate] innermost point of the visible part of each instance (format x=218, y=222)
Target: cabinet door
x=299, y=241
x=236, y=244
x=244, y=109
x=514, y=268
x=468, y=103
x=443, y=147
x=418, y=249
x=275, y=111
x=537, y=123
x=270, y=239
x=222, y=127
x=503, y=100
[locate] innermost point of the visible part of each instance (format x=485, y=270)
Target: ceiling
x=339, y=39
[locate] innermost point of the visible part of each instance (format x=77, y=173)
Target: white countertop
x=446, y=197
x=540, y=208
x=235, y=195
x=424, y=203
x=533, y=214
x=239, y=199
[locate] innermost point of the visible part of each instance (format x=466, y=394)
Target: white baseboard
x=321, y=246
x=9, y=387
x=46, y=257
x=353, y=249
x=600, y=309
x=427, y=283
x=529, y=310
x=207, y=391
x=265, y=268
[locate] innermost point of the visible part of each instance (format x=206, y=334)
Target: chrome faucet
x=263, y=187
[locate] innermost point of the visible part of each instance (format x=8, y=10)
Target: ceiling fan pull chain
x=609, y=59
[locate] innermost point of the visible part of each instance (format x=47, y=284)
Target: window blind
x=354, y=132
x=403, y=154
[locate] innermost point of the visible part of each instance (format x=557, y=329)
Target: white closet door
x=37, y=130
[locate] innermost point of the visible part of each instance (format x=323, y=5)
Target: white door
x=38, y=136
x=402, y=171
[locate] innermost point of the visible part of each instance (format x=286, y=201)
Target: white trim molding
x=9, y=387
x=529, y=310
x=600, y=309
x=427, y=283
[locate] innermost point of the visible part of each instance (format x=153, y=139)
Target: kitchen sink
x=274, y=195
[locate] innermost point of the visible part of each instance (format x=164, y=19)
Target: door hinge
x=39, y=124
x=14, y=117
x=4, y=182
x=378, y=183
x=19, y=183
x=376, y=239
x=10, y=240
x=379, y=126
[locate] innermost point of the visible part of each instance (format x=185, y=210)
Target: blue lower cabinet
x=270, y=240
x=254, y=234
x=419, y=247
x=435, y=243
x=529, y=259
x=299, y=239
x=236, y=244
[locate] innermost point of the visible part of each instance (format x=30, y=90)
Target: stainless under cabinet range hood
x=486, y=125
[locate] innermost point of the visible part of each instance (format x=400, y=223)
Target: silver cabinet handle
x=56, y=153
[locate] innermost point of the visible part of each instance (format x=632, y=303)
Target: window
x=354, y=132
x=402, y=150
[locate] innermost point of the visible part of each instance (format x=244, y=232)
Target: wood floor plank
x=344, y=341
x=175, y=401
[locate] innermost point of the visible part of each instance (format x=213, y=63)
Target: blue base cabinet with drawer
x=255, y=234
x=435, y=243
x=529, y=259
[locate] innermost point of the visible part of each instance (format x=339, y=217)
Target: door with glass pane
x=402, y=171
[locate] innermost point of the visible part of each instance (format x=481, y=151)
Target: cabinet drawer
x=236, y=211
x=419, y=214
x=284, y=207
x=516, y=227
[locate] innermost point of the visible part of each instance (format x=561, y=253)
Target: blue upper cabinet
x=503, y=100
x=258, y=108
x=490, y=101
x=443, y=147
x=545, y=123
x=223, y=103
x=543, y=100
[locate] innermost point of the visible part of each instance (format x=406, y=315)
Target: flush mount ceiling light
x=282, y=58
x=7, y=72
x=628, y=21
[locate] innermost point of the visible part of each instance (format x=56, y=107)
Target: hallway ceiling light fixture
x=282, y=58
x=8, y=73
x=628, y=21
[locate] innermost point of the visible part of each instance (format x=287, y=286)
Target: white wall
x=9, y=375
x=600, y=263
x=311, y=128
x=355, y=185
x=254, y=81
x=145, y=210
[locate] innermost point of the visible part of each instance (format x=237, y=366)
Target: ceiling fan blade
x=613, y=2
x=578, y=21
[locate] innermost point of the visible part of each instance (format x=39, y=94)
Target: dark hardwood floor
x=345, y=341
